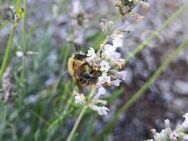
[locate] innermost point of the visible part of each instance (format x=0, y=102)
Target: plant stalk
x=80, y=116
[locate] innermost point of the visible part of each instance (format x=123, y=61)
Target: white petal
x=117, y=42
x=104, y=66
x=19, y=53
x=122, y=75
x=115, y=82
x=117, y=39
x=104, y=79
x=96, y=101
x=76, y=7
x=92, y=57
x=79, y=98
x=91, y=52
x=185, y=137
x=109, y=48
x=101, y=110
x=101, y=91
x=185, y=123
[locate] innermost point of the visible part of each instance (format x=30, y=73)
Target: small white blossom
x=76, y=8
x=163, y=135
x=122, y=75
x=96, y=101
x=19, y=53
x=91, y=53
x=101, y=91
x=115, y=82
x=104, y=66
x=117, y=39
x=167, y=134
x=101, y=110
x=111, y=53
x=185, y=137
x=104, y=79
x=80, y=98
x=185, y=123
x=173, y=135
x=92, y=57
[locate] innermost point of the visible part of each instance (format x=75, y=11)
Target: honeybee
x=81, y=71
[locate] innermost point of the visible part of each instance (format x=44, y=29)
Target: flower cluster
x=108, y=60
x=95, y=103
x=125, y=6
x=167, y=134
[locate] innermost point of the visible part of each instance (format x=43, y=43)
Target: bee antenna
x=76, y=47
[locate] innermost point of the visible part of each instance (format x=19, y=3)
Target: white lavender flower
x=101, y=91
x=94, y=103
x=104, y=78
x=167, y=134
x=185, y=123
x=19, y=54
x=79, y=98
x=121, y=74
x=117, y=39
x=115, y=82
x=92, y=57
x=104, y=66
x=110, y=53
x=101, y=110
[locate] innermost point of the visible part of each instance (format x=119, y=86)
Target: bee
x=81, y=71
x=9, y=13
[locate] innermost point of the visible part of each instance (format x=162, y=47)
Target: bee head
x=80, y=56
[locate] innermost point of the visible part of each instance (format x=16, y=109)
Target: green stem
x=80, y=116
x=8, y=51
x=77, y=123
x=141, y=91
x=23, y=74
x=157, y=32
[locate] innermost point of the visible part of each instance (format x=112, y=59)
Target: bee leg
x=80, y=89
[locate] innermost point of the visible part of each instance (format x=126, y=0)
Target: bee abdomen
x=87, y=79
